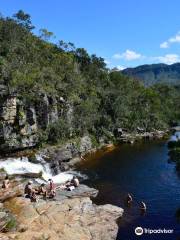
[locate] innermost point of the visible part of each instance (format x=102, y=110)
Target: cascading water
x=23, y=165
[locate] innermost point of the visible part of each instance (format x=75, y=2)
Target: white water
x=22, y=166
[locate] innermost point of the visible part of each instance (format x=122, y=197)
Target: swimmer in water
x=143, y=207
x=129, y=199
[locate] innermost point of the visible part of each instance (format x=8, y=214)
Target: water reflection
x=143, y=171
x=174, y=151
x=178, y=215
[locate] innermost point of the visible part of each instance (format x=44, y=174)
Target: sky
x=126, y=33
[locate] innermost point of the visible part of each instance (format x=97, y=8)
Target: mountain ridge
x=151, y=74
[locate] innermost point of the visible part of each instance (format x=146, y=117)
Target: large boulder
x=14, y=191
x=62, y=158
x=70, y=219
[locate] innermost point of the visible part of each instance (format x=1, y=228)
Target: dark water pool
x=142, y=170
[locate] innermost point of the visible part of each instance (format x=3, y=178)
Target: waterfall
x=23, y=166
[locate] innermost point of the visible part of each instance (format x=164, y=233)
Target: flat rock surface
x=81, y=191
x=70, y=216
x=69, y=219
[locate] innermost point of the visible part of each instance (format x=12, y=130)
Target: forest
x=102, y=100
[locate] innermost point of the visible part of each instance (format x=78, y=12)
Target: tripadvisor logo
x=139, y=231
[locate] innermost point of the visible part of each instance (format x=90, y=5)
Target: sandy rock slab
x=69, y=219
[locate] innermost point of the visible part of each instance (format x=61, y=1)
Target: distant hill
x=155, y=73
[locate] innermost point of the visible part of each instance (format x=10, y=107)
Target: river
x=143, y=170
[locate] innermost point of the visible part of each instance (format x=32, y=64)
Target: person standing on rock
x=52, y=189
x=6, y=183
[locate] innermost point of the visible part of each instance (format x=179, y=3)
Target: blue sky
x=125, y=32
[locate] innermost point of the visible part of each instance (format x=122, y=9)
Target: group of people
x=129, y=201
x=48, y=191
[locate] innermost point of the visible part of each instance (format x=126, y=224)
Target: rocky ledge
x=71, y=216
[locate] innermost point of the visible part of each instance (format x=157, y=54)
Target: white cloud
x=168, y=58
x=117, y=56
x=107, y=62
x=120, y=67
x=175, y=39
x=164, y=45
x=128, y=55
x=131, y=55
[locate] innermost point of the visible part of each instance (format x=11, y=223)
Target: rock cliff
x=20, y=122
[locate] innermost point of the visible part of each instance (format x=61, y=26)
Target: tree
x=45, y=34
x=23, y=19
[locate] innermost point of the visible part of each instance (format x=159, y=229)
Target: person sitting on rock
x=42, y=190
x=28, y=190
x=82, y=158
x=6, y=183
x=129, y=199
x=71, y=185
x=33, y=197
x=52, y=189
x=75, y=181
x=143, y=206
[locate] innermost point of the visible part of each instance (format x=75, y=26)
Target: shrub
x=58, y=131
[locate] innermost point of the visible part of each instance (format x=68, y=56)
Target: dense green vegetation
x=102, y=100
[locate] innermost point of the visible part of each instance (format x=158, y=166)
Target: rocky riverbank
x=71, y=216
x=22, y=125
x=63, y=158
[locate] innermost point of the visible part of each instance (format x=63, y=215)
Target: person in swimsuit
x=6, y=183
x=52, y=189
x=129, y=199
x=42, y=190
x=28, y=190
x=143, y=207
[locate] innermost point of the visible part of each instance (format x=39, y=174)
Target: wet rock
x=27, y=175
x=63, y=154
x=63, y=157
